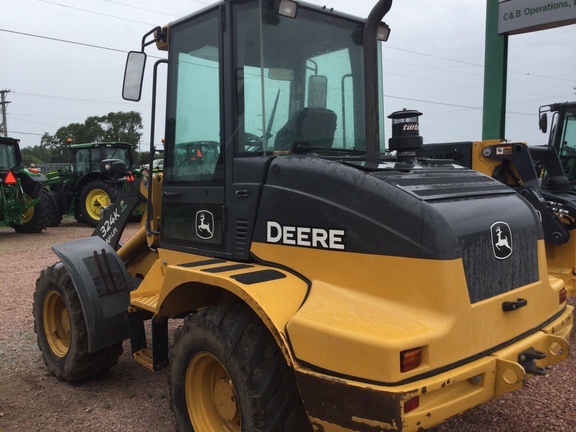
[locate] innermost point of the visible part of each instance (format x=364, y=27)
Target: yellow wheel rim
x=27, y=214
x=56, y=324
x=95, y=200
x=210, y=395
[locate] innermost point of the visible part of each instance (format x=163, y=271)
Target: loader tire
x=95, y=196
x=228, y=374
x=61, y=329
x=34, y=219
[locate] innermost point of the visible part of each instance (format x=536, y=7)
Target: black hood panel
x=438, y=214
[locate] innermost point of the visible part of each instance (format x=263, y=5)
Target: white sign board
x=521, y=16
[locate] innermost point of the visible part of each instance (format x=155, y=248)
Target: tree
x=119, y=127
x=122, y=126
x=37, y=155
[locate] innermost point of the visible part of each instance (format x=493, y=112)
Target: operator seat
x=312, y=126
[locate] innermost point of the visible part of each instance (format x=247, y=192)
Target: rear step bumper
x=355, y=406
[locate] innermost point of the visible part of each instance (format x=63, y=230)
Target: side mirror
x=543, y=122
x=133, y=76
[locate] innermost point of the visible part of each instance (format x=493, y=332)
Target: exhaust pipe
x=371, y=79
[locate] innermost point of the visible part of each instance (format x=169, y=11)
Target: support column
x=495, y=75
x=4, y=103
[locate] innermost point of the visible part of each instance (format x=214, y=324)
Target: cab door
x=193, y=202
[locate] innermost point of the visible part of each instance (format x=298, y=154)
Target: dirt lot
x=130, y=398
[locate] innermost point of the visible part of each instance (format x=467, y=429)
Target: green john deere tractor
x=84, y=189
x=24, y=203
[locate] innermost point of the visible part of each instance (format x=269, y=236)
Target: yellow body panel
x=487, y=165
x=179, y=282
x=355, y=316
x=339, y=404
x=562, y=262
x=363, y=310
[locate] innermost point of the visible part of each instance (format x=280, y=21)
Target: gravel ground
x=131, y=398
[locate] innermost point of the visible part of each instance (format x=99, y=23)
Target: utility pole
x=4, y=103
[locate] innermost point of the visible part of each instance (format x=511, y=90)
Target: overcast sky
x=63, y=61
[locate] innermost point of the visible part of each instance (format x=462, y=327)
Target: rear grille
x=441, y=184
x=488, y=277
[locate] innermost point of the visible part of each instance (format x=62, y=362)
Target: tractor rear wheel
x=56, y=210
x=34, y=219
x=228, y=375
x=95, y=196
x=61, y=329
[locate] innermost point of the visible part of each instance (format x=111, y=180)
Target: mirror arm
x=155, y=31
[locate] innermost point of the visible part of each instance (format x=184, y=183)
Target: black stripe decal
x=258, y=276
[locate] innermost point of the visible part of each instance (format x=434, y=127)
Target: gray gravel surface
x=131, y=398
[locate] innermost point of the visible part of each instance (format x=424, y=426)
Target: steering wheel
x=253, y=142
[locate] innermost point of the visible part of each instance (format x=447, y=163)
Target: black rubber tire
x=40, y=212
x=265, y=394
x=61, y=329
x=56, y=209
x=88, y=204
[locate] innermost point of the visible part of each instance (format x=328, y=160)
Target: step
x=144, y=357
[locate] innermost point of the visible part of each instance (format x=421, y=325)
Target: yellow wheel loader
x=321, y=285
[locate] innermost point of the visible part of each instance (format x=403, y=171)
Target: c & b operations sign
x=521, y=16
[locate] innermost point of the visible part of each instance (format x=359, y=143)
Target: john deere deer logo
x=204, y=224
x=501, y=240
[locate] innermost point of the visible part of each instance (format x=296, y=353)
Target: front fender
x=34, y=176
x=103, y=287
x=180, y=283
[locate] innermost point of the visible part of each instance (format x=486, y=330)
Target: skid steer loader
x=322, y=285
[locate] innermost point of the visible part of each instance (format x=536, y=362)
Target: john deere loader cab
x=323, y=286
x=562, y=133
x=235, y=103
x=24, y=203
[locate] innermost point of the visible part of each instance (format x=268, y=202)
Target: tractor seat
x=314, y=127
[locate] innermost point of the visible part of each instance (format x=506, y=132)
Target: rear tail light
x=411, y=404
x=562, y=296
x=410, y=359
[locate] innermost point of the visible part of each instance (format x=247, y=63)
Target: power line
x=72, y=99
x=473, y=64
x=201, y=2
x=63, y=41
x=96, y=13
x=27, y=133
x=452, y=105
x=138, y=7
